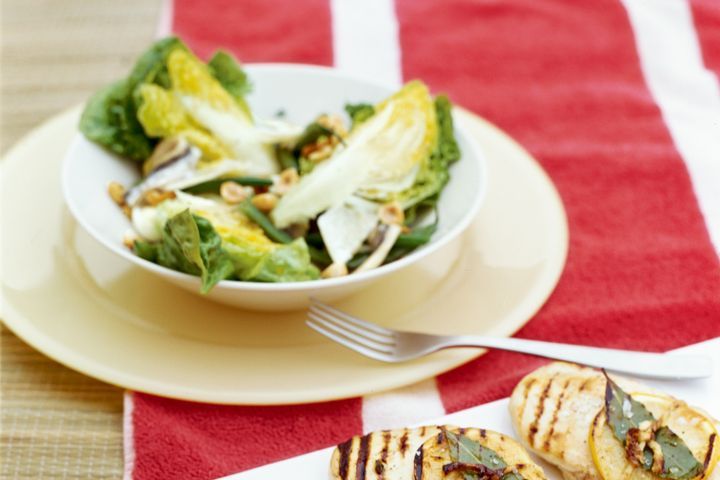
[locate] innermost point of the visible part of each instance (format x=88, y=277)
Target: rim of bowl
x=319, y=284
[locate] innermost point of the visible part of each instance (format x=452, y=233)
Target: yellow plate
x=87, y=308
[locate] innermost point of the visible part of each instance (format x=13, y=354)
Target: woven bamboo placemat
x=57, y=423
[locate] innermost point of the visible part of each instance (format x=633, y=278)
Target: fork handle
x=642, y=364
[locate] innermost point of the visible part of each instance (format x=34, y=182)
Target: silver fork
x=394, y=346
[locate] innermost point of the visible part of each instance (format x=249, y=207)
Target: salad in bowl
x=224, y=193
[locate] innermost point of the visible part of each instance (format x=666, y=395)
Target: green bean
x=357, y=260
x=314, y=239
x=419, y=236
x=319, y=257
x=264, y=222
x=213, y=186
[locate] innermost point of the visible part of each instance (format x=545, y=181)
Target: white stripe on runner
x=366, y=44
x=687, y=93
x=128, y=439
x=365, y=39
x=402, y=407
x=164, y=26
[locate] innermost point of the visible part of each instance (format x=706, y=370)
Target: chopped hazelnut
x=117, y=193
x=265, y=201
x=285, y=181
x=156, y=196
x=233, y=193
x=392, y=214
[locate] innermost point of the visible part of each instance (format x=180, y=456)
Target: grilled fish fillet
x=553, y=409
x=419, y=454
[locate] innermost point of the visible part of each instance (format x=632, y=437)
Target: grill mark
x=461, y=430
x=585, y=384
x=404, y=441
x=528, y=386
x=418, y=464
x=551, y=431
x=539, y=410
x=422, y=431
x=363, y=451
x=344, y=449
x=384, y=454
x=709, y=454
x=483, y=433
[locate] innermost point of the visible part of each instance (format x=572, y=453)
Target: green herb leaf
x=359, y=112
x=191, y=245
x=146, y=250
x=466, y=451
x=679, y=462
x=624, y=413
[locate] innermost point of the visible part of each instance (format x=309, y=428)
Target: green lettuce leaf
x=359, y=112
x=110, y=116
x=191, y=245
x=231, y=76
x=109, y=120
x=275, y=263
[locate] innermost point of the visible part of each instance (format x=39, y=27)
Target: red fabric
x=563, y=78
x=177, y=440
x=257, y=30
x=706, y=14
x=641, y=272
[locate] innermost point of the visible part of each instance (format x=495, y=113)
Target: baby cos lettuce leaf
x=215, y=243
x=384, y=151
x=162, y=115
x=271, y=262
x=190, y=244
x=434, y=174
x=210, y=105
x=110, y=118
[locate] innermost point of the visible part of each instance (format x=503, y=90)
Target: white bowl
x=302, y=92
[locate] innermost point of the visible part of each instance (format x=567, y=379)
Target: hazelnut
x=265, y=201
x=117, y=193
x=234, y=193
x=333, y=122
x=156, y=196
x=392, y=214
x=285, y=181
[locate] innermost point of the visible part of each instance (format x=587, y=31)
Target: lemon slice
x=696, y=430
x=434, y=454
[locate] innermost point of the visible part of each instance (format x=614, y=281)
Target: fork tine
x=350, y=335
x=349, y=318
x=348, y=344
x=369, y=334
